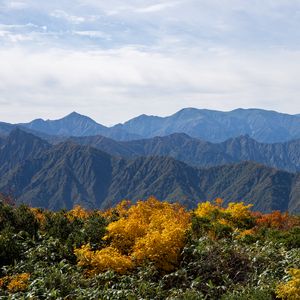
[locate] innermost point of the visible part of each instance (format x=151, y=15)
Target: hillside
x=5, y=128
x=60, y=176
x=195, y=152
x=18, y=147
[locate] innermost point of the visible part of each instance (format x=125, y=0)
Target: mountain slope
x=64, y=175
x=18, y=147
x=217, y=126
x=75, y=124
x=68, y=174
x=5, y=128
x=266, y=188
x=195, y=152
x=294, y=204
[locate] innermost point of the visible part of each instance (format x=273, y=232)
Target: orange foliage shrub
x=276, y=220
x=4, y=281
x=39, y=215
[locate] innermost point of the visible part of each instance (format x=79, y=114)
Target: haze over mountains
x=57, y=164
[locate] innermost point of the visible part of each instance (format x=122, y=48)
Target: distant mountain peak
x=75, y=114
x=192, y=112
x=189, y=109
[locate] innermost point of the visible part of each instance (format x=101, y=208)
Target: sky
x=114, y=60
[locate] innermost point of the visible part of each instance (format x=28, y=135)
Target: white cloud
x=14, y=37
x=157, y=7
x=115, y=59
x=93, y=34
x=114, y=85
x=71, y=18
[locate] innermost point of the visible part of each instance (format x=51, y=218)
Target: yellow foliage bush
x=205, y=209
x=120, y=210
x=148, y=231
x=236, y=216
x=245, y=233
x=235, y=211
x=152, y=230
x=239, y=211
x=103, y=260
x=15, y=283
x=78, y=213
x=163, y=239
x=291, y=289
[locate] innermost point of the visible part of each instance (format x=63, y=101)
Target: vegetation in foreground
x=149, y=250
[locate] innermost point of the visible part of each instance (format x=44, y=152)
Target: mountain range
x=209, y=125
x=217, y=126
x=58, y=176
x=199, y=153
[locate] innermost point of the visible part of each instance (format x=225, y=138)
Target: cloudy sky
x=113, y=60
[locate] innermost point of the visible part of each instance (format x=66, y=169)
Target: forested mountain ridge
x=66, y=174
x=18, y=147
x=199, y=153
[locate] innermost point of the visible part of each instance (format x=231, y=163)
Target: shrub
x=103, y=260
x=150, y=231
x=291, y=289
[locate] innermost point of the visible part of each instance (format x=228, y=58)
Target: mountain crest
x=76, y=116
